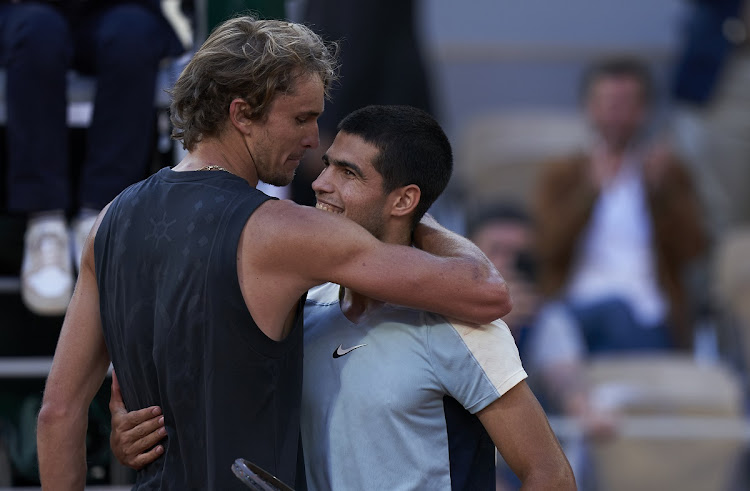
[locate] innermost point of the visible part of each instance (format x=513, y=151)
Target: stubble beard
x=278, y=179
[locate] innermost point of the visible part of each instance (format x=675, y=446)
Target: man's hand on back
x=135, y=434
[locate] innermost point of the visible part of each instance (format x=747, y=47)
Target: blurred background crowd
x=602, y=156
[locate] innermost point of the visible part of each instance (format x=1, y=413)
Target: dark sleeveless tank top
x=180, y=335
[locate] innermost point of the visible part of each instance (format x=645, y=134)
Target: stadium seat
x=731, y=280
x=498, y=154
x=682, y=424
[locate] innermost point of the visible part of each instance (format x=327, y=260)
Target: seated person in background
x=616, y=227
x=504, y=232
x=393, y=397
x=121, y=43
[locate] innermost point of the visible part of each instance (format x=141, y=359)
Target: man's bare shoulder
x=87, y=256
x=280, y=221
x=297, y=247
x=280, y=211
x=283, y=231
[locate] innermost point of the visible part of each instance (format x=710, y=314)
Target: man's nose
x=312, y=138
x=321, y=183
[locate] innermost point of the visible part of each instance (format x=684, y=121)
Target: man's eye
x=301, y=120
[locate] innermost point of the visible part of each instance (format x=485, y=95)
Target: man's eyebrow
x=343, y=163
x=310, y=114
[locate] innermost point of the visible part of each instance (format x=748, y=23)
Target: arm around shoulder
x=317, y=246
x=488, y=285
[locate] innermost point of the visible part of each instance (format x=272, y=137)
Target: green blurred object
x=217, y=11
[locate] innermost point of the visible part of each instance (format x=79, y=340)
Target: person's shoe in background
x=47, y=270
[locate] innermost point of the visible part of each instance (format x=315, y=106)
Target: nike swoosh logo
x=338, y=352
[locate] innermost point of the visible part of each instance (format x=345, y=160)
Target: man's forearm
x=432, y=237
x=558, y=477
x=61, y=442
x=486, y=281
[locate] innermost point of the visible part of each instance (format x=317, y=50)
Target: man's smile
x=326, y=207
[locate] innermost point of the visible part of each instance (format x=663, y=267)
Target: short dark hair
x=501, y=211
x=413, y=149
x=506, y=212
x=619, y=66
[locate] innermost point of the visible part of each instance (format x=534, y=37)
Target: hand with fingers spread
x=136, y=434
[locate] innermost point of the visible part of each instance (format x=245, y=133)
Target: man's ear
x=405, y=199
x=239, y=115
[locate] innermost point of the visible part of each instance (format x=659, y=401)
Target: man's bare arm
x=301, y=247
x=78, y=370
x=432, y=237
x=520, y=430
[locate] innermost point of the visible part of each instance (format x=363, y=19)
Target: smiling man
x=389, y=391
x=395, y=397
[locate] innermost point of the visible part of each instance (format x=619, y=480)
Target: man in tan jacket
x=617, y=225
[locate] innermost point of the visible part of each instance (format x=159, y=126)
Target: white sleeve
x=475, y=364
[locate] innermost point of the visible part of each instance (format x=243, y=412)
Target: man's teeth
x=324, y=207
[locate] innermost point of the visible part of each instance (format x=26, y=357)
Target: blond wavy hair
x=246, y=58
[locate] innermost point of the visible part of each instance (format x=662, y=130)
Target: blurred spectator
x=381, y=63
x=711, y=87
x=616, y=228
x=122, y=43
x=503, y=231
